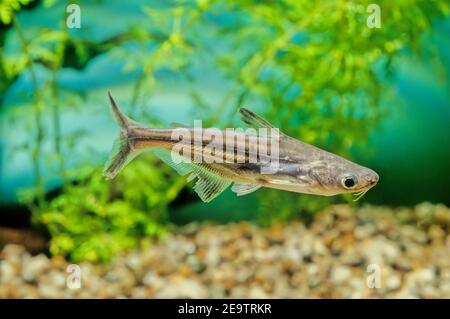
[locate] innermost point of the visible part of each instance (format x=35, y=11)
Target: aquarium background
x=379, y=96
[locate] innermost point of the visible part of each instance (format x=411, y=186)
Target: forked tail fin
x=122, y=152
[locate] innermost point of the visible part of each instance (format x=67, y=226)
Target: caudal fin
x=122, y=152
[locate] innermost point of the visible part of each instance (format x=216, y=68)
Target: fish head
x=323, y=175
x=339, y=176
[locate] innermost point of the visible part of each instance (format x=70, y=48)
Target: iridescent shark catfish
x=301, y=167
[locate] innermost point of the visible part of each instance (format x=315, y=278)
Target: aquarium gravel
x=334, y=255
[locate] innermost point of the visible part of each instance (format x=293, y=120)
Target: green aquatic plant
x=95, y=220
x=8, y=9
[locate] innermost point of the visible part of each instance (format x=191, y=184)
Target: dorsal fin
x=254, y=120
x=178, y=125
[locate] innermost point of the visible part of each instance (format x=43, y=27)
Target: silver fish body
x=300, y=167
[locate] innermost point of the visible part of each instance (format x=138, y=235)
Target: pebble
x=340, y=274
x=33, y=267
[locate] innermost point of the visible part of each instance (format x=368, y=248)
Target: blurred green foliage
x=8, y=7
x=312, y=68
x=94, y=219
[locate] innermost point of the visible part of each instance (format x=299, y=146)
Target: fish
x=247, y=160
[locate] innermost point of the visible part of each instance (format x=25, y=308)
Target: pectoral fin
x=209, y=183
x=244, y=189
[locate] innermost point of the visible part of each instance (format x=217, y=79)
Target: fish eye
x=349, y=182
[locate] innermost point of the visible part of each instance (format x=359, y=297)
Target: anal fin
x=244, y=189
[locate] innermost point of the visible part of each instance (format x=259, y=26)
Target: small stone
x=153, y=281
x=435, y=232
x=49, y=291
x=11, y=251
x=9, y=272
x=275, y=235
x=257, y=293
x=391, y=280
x=364, y=231
x=421, y=282
x=442, y=214
x=340, y=274
x=142, y=292
x=179, y=287
x=33, y=267
x=402, y=264
x=379, y=250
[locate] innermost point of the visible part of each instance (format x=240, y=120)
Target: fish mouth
x=360, y=194
x=363, y=190
x=371, y=181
